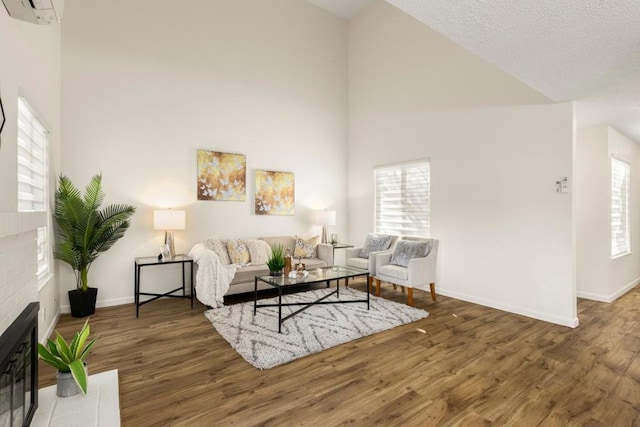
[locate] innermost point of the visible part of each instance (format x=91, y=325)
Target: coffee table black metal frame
x=151, y=261
x=320, y=275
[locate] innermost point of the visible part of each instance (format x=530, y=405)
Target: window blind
x=402, y=194
x=33, y=162
x=620, y=178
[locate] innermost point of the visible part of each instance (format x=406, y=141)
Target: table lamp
x=324, y=218
x=169, y=220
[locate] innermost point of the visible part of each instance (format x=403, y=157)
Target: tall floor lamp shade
x=169, y=220
x=324, y=218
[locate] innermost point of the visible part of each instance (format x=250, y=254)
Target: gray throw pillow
x=407, y=250
x=374, y=243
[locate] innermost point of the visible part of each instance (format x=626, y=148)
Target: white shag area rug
x=319, y=327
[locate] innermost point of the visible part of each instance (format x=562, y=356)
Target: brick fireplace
x=18, y=317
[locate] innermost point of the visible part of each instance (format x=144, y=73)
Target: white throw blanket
x=213, y=278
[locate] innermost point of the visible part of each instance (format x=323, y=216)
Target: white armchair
x=352, y=259
x=420, y=273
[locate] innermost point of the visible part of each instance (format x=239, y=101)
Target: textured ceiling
x=582, y=50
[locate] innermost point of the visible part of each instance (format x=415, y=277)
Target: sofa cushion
x=238, y=252
x=219, y=246
x=407, y=250
x=312, y=263
x=374, y=243
x=358, y=262
x=394, y=271
x=248, y=273
x=288, y=243
x=259, y=251
x=306, y=248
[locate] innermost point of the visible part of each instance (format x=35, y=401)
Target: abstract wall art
x=221, y=176
x=275, y=193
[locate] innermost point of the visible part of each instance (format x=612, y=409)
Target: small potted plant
x=68, y=359
x=276, y=262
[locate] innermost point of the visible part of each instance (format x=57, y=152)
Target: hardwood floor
x=473, y=366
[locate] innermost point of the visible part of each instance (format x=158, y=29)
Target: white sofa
x=243, y=280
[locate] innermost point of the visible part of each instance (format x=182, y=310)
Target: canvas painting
x=221, y=176
x=275, y=193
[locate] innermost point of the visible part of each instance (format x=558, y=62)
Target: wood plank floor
x=474, y=366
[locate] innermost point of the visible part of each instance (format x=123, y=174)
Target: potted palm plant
x=68, y=359
x=83, y=232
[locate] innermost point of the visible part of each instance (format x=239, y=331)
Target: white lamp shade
x=324, y=218
x=169, y=219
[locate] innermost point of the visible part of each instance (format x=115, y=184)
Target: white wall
x=147, y=83
x=496, y=149
x=30, y=65
x=593, y=207
x=600, y=277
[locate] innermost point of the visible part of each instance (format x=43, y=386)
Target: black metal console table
x=184, y=260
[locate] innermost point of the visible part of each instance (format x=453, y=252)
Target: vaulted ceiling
x=587, y=50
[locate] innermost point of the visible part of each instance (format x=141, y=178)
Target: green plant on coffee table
x=276, y=262
x=69, y=358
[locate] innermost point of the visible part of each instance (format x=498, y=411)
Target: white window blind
x=620, y=178
x=33, y=139
x=32, y=160
x=403, y=199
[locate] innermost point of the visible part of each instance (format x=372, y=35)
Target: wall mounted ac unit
x=36, y=11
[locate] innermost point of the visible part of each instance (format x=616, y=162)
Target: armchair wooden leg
x=401, y=288
x=377, y=287
x=409, y=296
x=346, y=281
x=370, y=284
x=433, y=291
x=395, y=286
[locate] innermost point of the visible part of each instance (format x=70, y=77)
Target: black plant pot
x=83, y=304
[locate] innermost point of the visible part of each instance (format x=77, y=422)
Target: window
x=33, y=141
x=403, y=198
x=620, y=177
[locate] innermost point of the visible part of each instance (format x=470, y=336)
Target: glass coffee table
x=320, y=275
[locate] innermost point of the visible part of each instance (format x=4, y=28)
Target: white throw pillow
x=259, y=250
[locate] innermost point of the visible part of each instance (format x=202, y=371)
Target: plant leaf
x=65, y=352
x=82, y=337
x=52, y=360
x=86, y=349
x=79, y=374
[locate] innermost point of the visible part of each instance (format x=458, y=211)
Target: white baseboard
x=103, y=303
x=610, y=298
x=563, y=321
x=594, y=297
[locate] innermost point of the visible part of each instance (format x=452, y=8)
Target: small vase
x=275, y=273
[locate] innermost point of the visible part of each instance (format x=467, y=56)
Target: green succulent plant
x=276, y=262
x=69, y=357
x=82, y=229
